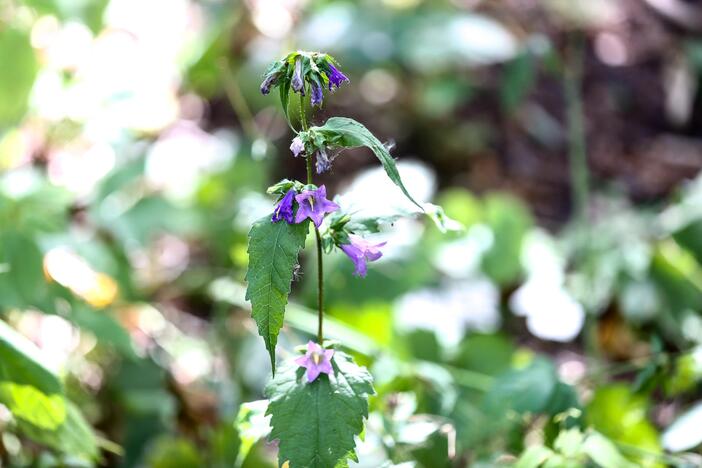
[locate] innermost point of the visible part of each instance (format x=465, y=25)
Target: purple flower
x=314, y=205
x=323, y=161
x=360, y=251
x=284, y=210
x=316, y=360
x=268, y=82
x=297, y=146
x=297, y=83
x=317, y=95
x=335, y=76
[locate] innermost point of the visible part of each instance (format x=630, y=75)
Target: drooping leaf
x=343, y=132
x=273, y=250
x=316, y=422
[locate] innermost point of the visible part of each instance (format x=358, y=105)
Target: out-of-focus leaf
x=74, y=436
x=316, y=423
x=603, y=452
x=225, y=445
x=487, y=354
x=509, y=221
x=16, y=81
x=524, y=390
x=27, y=387
x=273, y=250
x=533, y=457
x=175, y=453
x=253, y=425
x=34, y=396
x=22, y=281
x=621, y=416
x=518, y=78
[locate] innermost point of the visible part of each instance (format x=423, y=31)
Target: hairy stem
x=320, y=263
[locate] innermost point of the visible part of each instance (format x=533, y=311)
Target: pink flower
x=316, y=360
x=360, y=251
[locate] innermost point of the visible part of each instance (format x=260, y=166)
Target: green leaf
x=621, y=416
x=524, y=390
x=74, y=436
x=253, y=425
x=35, y=397
x=273, y=250
x=316, y=422
x=603, y=452
x=22, y=280
x=534, y=457
x=343, y=132
x=16, y=81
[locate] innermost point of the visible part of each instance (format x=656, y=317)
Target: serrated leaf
x=347, y=133
x=316, y=422
x=273, y=250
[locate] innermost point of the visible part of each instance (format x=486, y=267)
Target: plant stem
x=318, y=237
x=577, y=153
x=320, y=290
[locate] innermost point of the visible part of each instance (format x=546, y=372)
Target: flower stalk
x=318, y=239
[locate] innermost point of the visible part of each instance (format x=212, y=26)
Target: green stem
x=320, y=290
x=318, y=237
x=577, y=153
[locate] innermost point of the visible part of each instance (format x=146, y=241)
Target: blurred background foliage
x=560, y=328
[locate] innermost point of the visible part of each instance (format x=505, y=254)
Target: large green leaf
x=273, y=250
x=316, y=422
x=347, y=133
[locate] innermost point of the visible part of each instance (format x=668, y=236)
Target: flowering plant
x=334, y=384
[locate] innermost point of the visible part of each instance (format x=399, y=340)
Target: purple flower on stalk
x=314, y=205
x=317, y=94
x=284, y=210
x=269, y=81
x=335, y=76
x=297, y=146
x=316, y=360
x=360, y=251
x=297, y=83
x=323, y=161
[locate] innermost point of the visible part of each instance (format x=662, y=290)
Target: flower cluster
x=311, y=204
x=304, y=72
